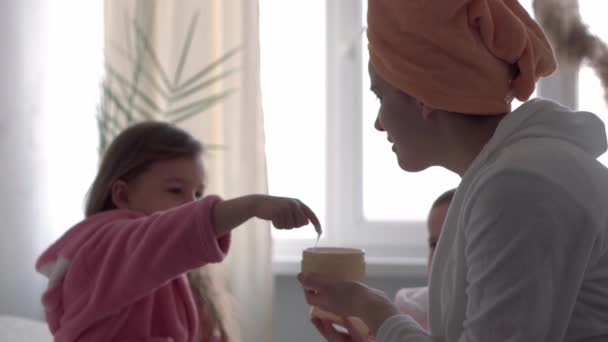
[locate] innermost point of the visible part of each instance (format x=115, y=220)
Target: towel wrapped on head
x=464, y=56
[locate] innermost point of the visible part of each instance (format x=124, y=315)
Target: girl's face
x=401, y=117
x=163, y=185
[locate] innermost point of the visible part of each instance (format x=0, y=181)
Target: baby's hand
x=285, y=213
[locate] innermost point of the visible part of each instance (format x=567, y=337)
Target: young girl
x=120, y=275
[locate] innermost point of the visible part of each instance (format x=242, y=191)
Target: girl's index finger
x=313, y=218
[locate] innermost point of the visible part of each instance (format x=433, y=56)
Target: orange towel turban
x=465, y=56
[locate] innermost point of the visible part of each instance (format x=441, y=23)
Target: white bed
x=18, y=329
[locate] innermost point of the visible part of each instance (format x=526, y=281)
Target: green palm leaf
x=149, y=92
x=199, y=105
x=147, y=74
x=178, y=95
x=185, y=49
x=226, y=56
x=136, y=91
x=142, y=37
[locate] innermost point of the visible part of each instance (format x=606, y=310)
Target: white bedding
x=18, y=329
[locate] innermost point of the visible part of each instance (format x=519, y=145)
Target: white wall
x=21, y=207
x=49, y=63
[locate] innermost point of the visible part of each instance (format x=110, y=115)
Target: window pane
x=74, y=65
x=292, y=38
x=591, y=96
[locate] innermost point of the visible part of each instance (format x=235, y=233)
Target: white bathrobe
x=523, y=255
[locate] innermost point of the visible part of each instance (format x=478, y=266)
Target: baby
x=415, y=301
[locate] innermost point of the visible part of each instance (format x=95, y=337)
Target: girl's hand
x=327, y=330
x=285, y=213
x=348, y=298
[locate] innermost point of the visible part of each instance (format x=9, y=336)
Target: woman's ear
x=120, y=194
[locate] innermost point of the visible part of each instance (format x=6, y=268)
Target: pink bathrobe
x=120, y=275
x=414, y=301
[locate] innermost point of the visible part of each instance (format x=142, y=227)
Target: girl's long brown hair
x=130, y=154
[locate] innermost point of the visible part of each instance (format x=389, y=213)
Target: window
x=321, y=144
x=293, y=89
x=388, y=192
x=71, y=93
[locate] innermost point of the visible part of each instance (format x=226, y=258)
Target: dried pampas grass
x=571, y=38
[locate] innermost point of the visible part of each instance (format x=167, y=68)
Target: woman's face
x=401, y=117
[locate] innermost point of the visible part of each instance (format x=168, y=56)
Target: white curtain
x=237, y=166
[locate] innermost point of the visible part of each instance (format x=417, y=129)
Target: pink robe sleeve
x=415, y=303
x=128, y=258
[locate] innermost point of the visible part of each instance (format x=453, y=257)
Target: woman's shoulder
x=546, y=168
x=554, y=202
